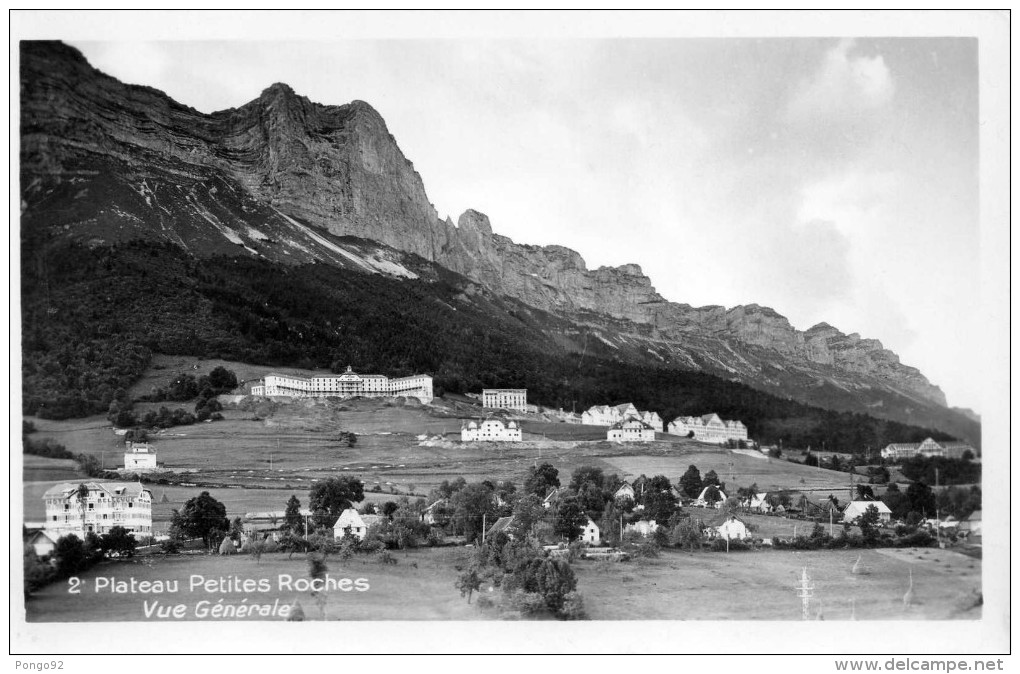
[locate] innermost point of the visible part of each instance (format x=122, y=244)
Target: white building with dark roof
x=350, y=384
x=106, y=505
x=350, y=523
x=709, y=428
x=139, y=457
x=607, y=415
x=630, y=430
x=491, y=430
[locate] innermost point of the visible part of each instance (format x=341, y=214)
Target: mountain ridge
x=104, y=162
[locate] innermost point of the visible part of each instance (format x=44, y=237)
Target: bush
x=918, y=539
x=719, y=545
x=573, y=607
x=485, y=602
x=526, y=603
x=386, y=558
x=38, y=573
x=46, y=447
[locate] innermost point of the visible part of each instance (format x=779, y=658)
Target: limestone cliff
x=291, y=181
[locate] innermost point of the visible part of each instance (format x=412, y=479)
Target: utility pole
x=483, y=527
x=805, y=593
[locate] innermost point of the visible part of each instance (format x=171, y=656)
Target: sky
x=832, y=179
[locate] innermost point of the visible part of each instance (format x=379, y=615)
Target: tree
x=921, y=499
x=868, y=522
x=330, y=497
x=201, y=517
x=389, y=508
x=541, y=479
x=468, y=583
x=550, y=579
x=472, y=506
x=712, y=494
x=865, y=492
x=118, y=541
x=528, y=511
x=292, y=518
x=570, y=519
x=810, y=459
x=70, y=555
x=584, y=475
x=710, y=480
x=690, y=482
x=82, y=494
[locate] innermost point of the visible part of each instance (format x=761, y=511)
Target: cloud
x=844, y=86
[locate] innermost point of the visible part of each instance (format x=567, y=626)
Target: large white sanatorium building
x=492, y=430
x=350, y=384
x=108, y=505
x=905, y=450
x=709, y=428
x=607, y=415
x=505, y=399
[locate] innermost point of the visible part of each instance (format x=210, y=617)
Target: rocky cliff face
x=287, y=179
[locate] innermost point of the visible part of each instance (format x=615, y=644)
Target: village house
x=350, y=523
x=553, y=497
x=41, y=542
x=139, y=457
x=726, y=526
x=608, y=415
x=709, y=428
x=501, y=525
x=350, y=384
x=971, y=524
x=105, y=506
x=758, y=503
x=506, y=399
x=630, y=430
x=491, y=430
x=700, y=502
x=643, y=528
x=590, y=533
x=624, y=492
x=855, y=509
x=898, y=451
x=437, y=513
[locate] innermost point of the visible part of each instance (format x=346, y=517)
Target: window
x=92, y=506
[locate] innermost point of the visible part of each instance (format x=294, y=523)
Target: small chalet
x=972, y=523
x=701, y=502
x=350, y=522
x=855, y=509
x=626, y=491
x=643, y=527
x=501, y=525
x=41, y=542
x=590, y=533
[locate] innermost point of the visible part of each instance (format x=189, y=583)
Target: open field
x=42, y=468
x=736, y=469
x=760, y=585
x=675, y=586
x=395, y=592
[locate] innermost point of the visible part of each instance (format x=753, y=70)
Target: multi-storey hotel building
x=505, y=399
x=350, y=384
x=107, y=505
x=709, y=428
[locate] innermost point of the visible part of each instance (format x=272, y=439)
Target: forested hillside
x=93, y=317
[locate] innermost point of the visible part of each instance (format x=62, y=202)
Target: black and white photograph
x=541, y=332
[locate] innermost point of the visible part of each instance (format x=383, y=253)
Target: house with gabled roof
x=855, y=509
x=702, y=503
x=350, y=523
x=501, y=525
